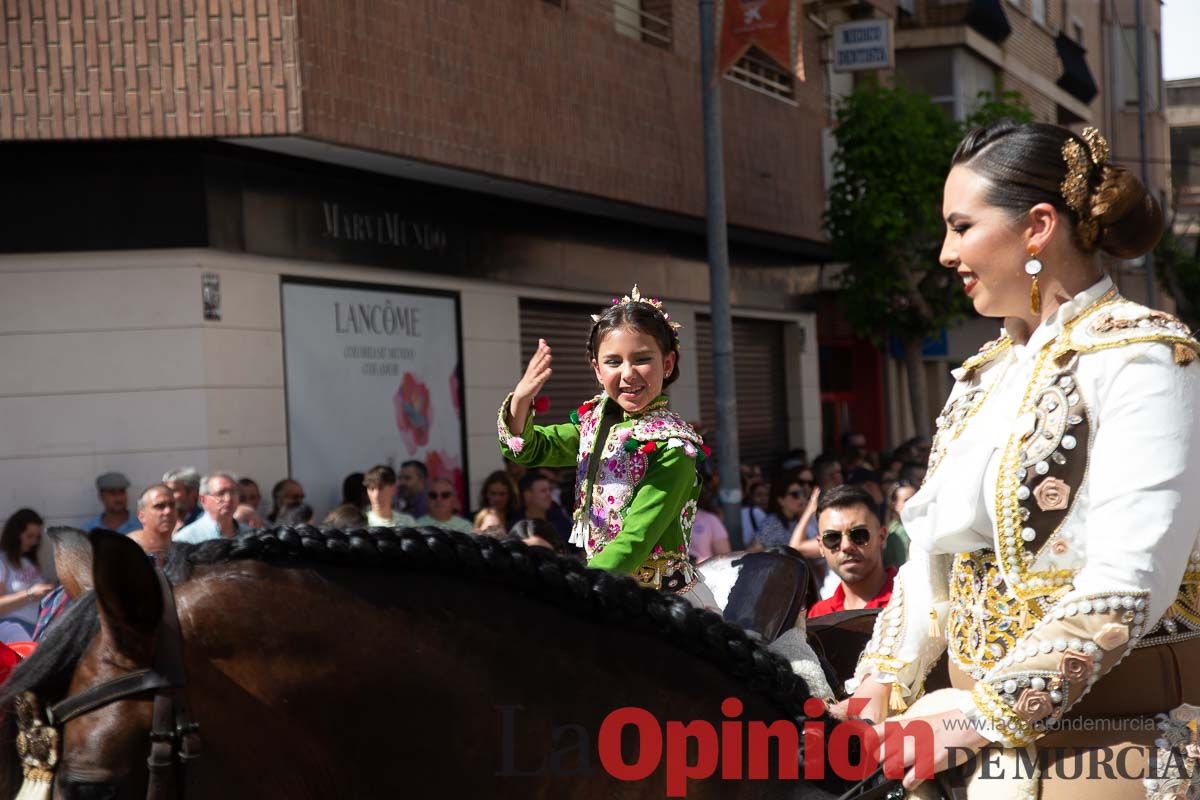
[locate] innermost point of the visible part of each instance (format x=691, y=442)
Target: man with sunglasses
x=443, y=508
x=852, y=541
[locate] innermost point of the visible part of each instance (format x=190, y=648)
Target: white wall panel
x=101, y=361
x=88, y=300
x=239, y=357
x=242, y=417
x=495, y=364
x=118, y=422
x=491, y=316
x=248, y=299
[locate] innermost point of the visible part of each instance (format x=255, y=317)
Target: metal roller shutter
x=758, y=363
x=566, y=327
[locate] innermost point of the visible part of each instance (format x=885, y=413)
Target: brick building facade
x=527, y=158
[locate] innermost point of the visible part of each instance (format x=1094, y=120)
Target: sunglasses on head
x=441, y=495
x=833, y=539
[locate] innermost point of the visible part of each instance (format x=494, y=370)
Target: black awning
x=988, y=17
x=1077, y=76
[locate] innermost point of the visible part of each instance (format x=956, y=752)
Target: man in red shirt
x=852, y=540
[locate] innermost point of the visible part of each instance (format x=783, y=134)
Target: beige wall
x=110, y=366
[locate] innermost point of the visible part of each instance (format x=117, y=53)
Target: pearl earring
x=1032, y=268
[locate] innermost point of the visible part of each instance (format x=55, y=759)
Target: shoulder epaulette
x=1121, y=322
x=988, y=353
x=664, y=425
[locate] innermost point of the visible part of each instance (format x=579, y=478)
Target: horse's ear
x=127, y=592
x=72, y=560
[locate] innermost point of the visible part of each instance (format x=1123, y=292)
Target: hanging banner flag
x=772, y=26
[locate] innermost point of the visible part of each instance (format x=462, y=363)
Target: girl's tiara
x=636, y=297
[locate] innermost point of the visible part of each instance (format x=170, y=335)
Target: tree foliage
x=1178, y=270
x=885, y=217
x=885, y=207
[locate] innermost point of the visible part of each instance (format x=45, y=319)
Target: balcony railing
x=633, y=20
x=760, y=73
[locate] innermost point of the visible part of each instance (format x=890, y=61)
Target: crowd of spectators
x=797, y=504
x=786, y=506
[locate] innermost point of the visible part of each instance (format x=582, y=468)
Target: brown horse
x=413, y=663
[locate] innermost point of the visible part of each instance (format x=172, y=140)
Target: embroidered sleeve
x=1142, y=520
x=1056, y=664
x=908, y=639
x=654, y=507
x=538, y=445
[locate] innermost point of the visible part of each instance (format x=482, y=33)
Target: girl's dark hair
x=346, y=517
x=539, y=528
x=295, y=515
x=1025, y=166
x=503, y=478
x=10, y=540
x=643, y=318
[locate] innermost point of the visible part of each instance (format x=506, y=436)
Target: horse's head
x=104, y=740
x=107, y=747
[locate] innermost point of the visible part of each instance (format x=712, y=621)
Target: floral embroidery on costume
x=687, y=517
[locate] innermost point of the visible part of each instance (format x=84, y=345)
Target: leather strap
x=143, y=680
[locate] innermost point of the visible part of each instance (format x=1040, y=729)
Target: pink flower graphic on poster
x=444, y=465
x=413, y=413
x=455, y=391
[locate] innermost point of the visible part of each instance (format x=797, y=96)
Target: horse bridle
x=174, y=737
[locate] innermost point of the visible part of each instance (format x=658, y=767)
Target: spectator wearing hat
x=112, y=488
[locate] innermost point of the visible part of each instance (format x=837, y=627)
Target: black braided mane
x=590, y=593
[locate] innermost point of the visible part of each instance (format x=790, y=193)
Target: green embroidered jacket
x=636, y=490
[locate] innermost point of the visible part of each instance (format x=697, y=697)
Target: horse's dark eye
x=81, y=790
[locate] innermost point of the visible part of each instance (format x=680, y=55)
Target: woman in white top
x=1056, y=532
x=21, y=582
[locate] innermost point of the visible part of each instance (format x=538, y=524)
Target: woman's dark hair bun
x=1130, y=220
x=1025, y=165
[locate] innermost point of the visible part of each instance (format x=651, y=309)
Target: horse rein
x=174, y=737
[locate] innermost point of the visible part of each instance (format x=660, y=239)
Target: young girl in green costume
x=637, y=484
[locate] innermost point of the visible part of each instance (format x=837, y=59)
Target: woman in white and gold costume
x=1054, y=542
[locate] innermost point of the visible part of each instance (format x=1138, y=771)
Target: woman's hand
x=869, y=702
x=798, y=538
x=814, y=497
x=537, y=372
x=949, y=732
x=39, y=590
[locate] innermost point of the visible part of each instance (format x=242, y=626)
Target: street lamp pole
x=728, y=462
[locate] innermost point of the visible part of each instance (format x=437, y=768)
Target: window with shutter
x=566, y=327
x=761, y=378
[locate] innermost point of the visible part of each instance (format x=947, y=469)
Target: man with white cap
x=111, y=487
